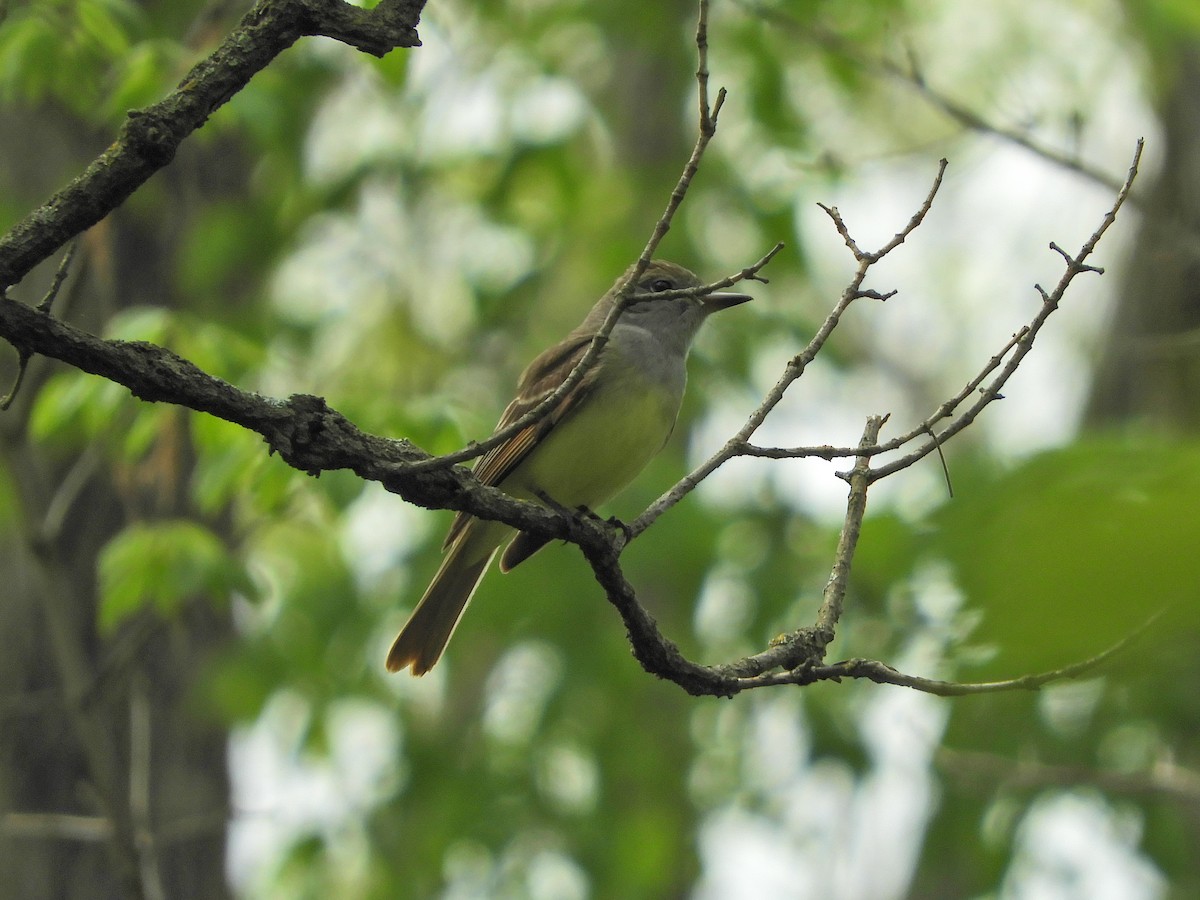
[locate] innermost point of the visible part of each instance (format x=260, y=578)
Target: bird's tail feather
x=428, y=630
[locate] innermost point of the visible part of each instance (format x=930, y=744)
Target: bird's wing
x=538, y=381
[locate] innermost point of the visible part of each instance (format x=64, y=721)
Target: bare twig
x=22, y=364
x=985, y=392
x=859, y=480
x=1023, y=343
x=47, y=301
x=881, y=673
x=796, y=366
x=60, y=276
x=911, y=76
x=806, y=647
x=901, y=236
x=970, y=119
x=942, y=459
x=944, y=410
x=707, y=117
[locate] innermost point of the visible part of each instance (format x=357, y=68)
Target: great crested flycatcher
x=599, y=436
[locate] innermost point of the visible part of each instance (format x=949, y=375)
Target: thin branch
x=806, y=646
x=859, y=479
x=1162, y=779
x=89, y=829
x=60, y=276
x=140, y=791
x=56, y=826
x=969, y=119
x=22, y=364
x=944, y=410
x=911, y=76
x=1007, y=359
x=706, y=114
x=881, y=673
x=945, y=466
x=1075, y=265
x=796, y=366
x=901, y=236
x=707, y=128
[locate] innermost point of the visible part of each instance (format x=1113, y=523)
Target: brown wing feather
x=538, y=381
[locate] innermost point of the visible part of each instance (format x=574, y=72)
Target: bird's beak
x=715, y=302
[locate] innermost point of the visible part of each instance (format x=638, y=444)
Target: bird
x=584, y=451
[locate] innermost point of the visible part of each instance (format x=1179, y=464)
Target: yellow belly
x=592, y=454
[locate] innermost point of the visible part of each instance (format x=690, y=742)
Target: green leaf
x=140, y=323
x=1076, y=548
x=28, y=44
x=100, y=24
x=162, y=564
x=73, y=406
x=143, y=77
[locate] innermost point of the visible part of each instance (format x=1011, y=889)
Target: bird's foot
x=617, y=525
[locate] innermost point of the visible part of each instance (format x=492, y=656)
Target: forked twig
x=797, y=365
x=47, y=301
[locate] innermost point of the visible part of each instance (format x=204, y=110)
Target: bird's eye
x=660, y=284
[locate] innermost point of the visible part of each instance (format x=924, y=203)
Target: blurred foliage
x=166, y=564
x=410, y=232
x=1101, y=529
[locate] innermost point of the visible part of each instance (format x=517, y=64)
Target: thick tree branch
x=150, y=137
x=307, y=433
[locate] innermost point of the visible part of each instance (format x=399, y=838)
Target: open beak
x=716, y=302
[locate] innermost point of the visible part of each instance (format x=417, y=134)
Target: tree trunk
x=1150, y=370
x=110, y=786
